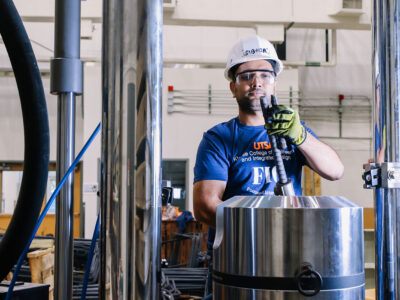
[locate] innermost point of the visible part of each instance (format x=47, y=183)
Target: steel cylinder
x=131, y=156
x=386, y=129
x=281, y=247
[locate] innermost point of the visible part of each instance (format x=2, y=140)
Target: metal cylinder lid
x=299, y=245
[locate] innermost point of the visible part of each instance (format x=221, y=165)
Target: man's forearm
x=207, y=214
x=207, y=195
x=322, y=158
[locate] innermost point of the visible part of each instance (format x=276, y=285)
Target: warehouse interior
x=327, y=52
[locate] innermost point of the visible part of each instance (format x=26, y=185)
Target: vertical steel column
x=395, y=125
x=66, y=82
x=131, y=150
x=148, y=150
x=112, y=165
x=386, y=67
x=105, y=132
x=65, y=204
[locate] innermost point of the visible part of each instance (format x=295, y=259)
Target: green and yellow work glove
x=285, y=122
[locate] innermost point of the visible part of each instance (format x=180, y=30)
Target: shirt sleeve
x=309, y=130
x=303, y=160
x=211, y=161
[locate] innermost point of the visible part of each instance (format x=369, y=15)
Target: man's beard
x=247, y=105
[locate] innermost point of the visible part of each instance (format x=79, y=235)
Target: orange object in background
x=370, y=294
x=369, y=218
x=170, y=212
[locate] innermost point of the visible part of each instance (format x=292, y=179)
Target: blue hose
x=46, y=208
x=90, y=257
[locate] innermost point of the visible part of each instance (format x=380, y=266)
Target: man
x=235, y=157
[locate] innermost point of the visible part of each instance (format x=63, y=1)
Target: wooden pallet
x=41, y=264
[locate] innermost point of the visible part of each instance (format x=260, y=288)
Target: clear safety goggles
x=248, y=76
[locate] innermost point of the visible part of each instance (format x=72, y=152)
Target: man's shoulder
x=224, y=127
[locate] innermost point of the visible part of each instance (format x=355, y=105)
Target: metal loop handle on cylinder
x=313, y=278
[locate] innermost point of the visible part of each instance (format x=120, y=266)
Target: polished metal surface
x=232, y=293
x=131, y=150
x=272, y=236
x=111, y=237
x=66, y=82
x=106, y=85
x=66, y=65
x=385, y=64
x=148, y=150
x=65, y=200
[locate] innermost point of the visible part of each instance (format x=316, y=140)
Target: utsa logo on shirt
x=262, y=145
x=262, y=175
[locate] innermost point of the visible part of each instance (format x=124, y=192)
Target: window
x=10, y=183
x=174, y=173
x=352, y=4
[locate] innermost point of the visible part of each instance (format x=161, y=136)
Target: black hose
x=36, y=131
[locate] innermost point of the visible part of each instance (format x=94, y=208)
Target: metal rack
x=215, y=101
x=338, y=110
x=349, y=109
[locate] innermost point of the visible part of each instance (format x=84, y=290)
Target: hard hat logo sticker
x=254, y=51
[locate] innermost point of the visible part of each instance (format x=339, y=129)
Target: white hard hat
x=252, y=48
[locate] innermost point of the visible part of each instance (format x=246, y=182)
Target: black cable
x=36, y=136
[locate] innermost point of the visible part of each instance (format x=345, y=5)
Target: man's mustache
x=256, y=91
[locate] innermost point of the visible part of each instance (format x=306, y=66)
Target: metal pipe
x=67, y=22
x=148, y=174
x=340, y=113
x=131, y=150
x=104, y=165
x=386, y=55
x=65, y=203
x=66, y=82
x=209, y=99
x=326, y=45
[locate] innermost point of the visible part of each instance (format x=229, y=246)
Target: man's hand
x=284, y=121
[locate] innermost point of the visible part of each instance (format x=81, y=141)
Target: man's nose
x=257, y=81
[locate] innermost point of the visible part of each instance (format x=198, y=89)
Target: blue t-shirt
x=242, y=156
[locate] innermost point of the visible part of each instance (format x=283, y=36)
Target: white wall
x=12, y=126
x=351, y=76
x=353, y=154
x=12, y=183
x=302, y=12
x=92, y=116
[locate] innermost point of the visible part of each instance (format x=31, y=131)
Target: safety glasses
x=248, y=76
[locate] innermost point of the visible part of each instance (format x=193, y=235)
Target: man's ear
x=232, y=87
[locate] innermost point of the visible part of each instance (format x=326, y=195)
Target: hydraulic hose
x=36, y=136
